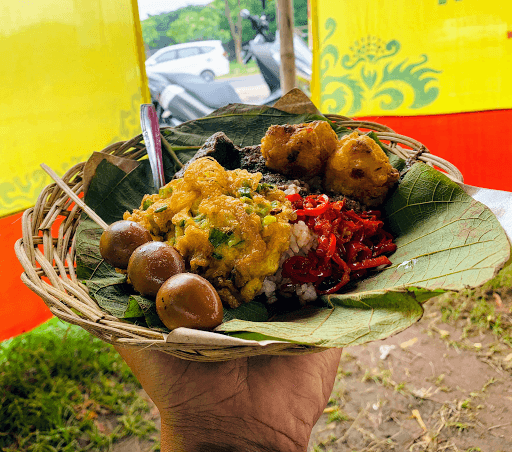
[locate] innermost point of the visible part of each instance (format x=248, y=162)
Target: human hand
x=258, y=404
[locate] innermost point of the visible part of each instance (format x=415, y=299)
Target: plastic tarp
x=72, y=81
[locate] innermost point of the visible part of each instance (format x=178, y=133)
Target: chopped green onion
x=264, y=187
x=181, y=223
x=146, y=204
x=217, y=256
x=161, y=208
x=235, y=241
x=165, y=192
x=218, y=237
x=263, y=209
x=269, y=219
x=244, y=192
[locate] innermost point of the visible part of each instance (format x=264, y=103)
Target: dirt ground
x=435, y=387
x=438, y=386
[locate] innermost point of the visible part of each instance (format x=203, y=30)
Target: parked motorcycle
x=266, y=52
x=183, y=97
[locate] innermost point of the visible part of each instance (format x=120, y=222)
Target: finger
x=332, y=357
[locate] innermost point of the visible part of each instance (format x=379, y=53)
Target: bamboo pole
x=285, y=23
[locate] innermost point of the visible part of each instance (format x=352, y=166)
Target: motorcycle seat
x=214, y=94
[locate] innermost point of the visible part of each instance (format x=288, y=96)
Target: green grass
x=59, y=383
x=479, y=307
x=237, y=69
x=337, y=416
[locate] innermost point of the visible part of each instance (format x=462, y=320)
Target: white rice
x=292, y=189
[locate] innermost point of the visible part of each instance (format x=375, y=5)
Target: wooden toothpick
x=74, y=197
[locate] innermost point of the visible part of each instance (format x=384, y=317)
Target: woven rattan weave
x=47, y=254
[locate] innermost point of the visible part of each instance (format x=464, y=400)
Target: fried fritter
x=300, y=149
x=360, y=169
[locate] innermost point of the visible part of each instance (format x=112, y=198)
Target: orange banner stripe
x=477, y=143
x=20, y=309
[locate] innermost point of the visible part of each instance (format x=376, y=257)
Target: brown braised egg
x=360, y=169
x=120, y=239
x=188, y=300
x=299, y=149
x=151, y=264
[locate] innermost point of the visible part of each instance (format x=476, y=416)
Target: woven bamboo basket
x=47, y=253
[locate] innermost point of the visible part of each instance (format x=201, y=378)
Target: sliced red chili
x=338, y=205
x=354, y=216
x=297, y=269
x=312, y=258
x=356, y=251
x=330, y=214
x=322, y=271
x=332, y=246
x=351, y=226
x=294, y=197
x=373, y=214
x=337, y=258
x=371, y=227
x=358, y=275
x=344, y=280
x=369, y=263
x=312, y=208
x=323, y=227
x=348, y=243
x=323, y=245
x=386, y=247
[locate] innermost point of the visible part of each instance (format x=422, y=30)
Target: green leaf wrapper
x=446, y=241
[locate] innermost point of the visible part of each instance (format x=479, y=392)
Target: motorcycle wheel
x=208, y=76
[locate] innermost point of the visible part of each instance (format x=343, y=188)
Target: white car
x=205, y=58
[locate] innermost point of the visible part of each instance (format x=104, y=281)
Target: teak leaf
x=349, y=321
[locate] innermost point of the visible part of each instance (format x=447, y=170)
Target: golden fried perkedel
x=299, y=149
x=360, y=169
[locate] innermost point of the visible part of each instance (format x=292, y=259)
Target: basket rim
x=50, y=272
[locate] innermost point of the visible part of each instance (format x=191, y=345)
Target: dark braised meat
x=252, y=161
x=219, y=147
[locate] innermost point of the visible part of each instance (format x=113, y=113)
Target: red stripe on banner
x=479, y=143
x=20, y=309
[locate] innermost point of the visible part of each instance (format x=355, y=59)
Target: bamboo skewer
x=61, y=184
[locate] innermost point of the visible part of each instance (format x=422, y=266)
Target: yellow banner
x=71, y=83
x=403, y=57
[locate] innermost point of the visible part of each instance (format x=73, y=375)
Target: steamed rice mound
x=229, y=227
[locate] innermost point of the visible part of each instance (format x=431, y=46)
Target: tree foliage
x=196, y=23
x=154, y=29
x=198, y=26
